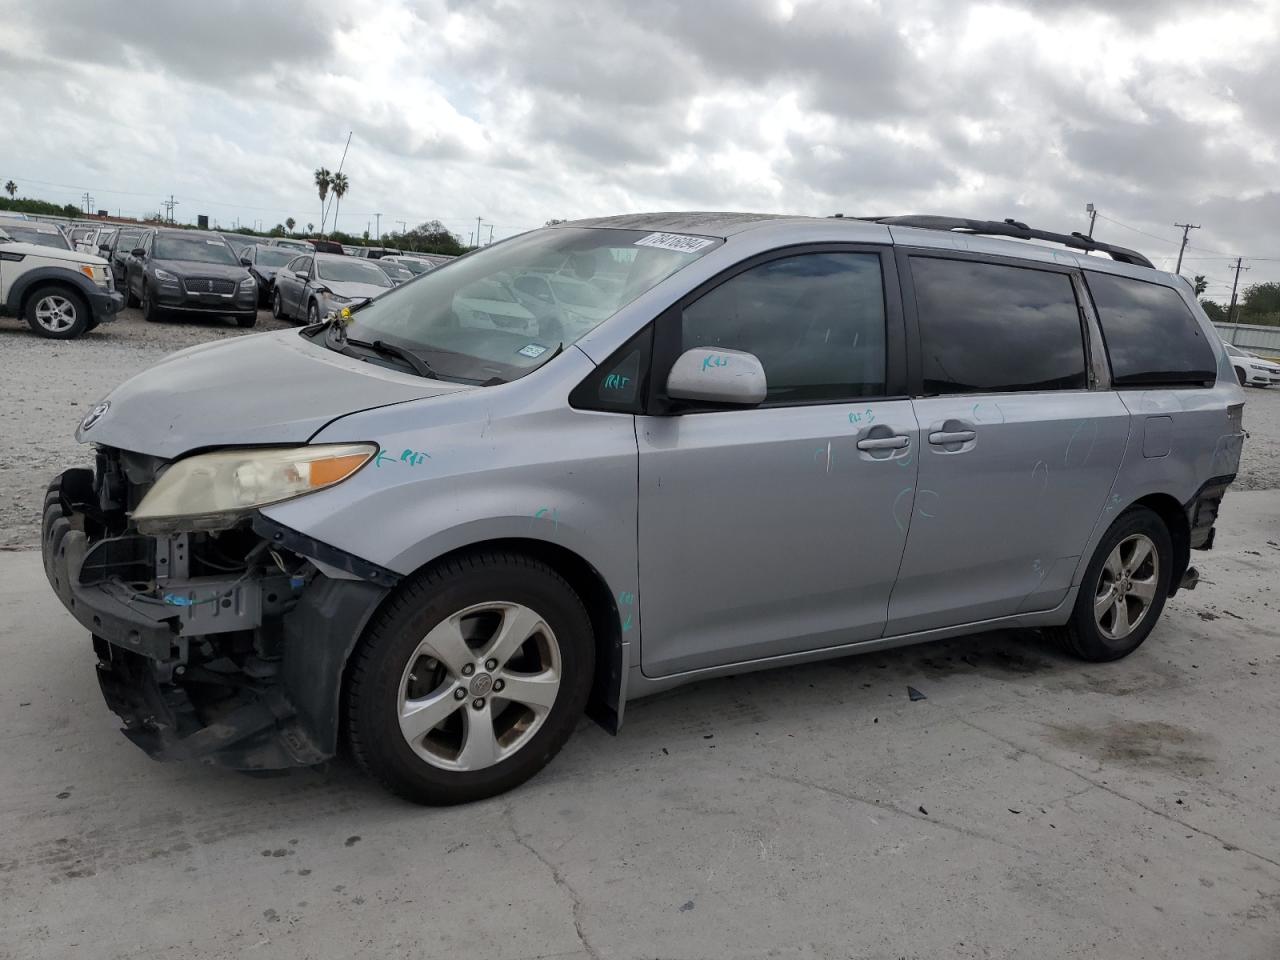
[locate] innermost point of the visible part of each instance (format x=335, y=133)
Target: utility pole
x=378, y=235
x=1234, y=284
x=491, y=233
x=477, y=233
x=1186, y=228
x=404, y=227
x=1090, y=209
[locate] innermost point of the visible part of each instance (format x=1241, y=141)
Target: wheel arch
x=604, y=704
x=1174, y=516
x=26, y=285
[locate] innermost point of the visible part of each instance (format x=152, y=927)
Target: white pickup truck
x=59, y=291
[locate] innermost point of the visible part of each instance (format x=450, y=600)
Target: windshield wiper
x=420, y=366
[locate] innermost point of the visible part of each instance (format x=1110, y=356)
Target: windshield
x=480, y=317
x=415, y=267
x=294, y=245
x=45, y=238
x=195, y=249
x=274, y=256
x=345, y=270
x=393, y=270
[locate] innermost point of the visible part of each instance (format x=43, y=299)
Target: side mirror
x=246, y=262
x=138, y=252
x=717, y=376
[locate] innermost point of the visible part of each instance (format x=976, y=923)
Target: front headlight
x=248, y=283
x=166, y=276
x=101, y=276
x=212, y=491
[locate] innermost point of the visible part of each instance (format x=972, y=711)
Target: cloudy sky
x=522, y=110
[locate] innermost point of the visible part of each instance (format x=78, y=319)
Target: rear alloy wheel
x=57, y=313
x=1124, y=589
x=470, y=680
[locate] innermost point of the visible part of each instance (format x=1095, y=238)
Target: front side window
x=270, y=256
x=1151, y=336
x=128, y=240
x=474, y=320
x=815, y=321
x=991, y=328
x=346, y=270
x=194, y=249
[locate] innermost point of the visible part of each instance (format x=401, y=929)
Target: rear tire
x=436, y=646
x=276, y=312
x=129, y=299
x=57, y=312
x=1121, y=597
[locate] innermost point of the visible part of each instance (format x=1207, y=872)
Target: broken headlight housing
x=213, y=491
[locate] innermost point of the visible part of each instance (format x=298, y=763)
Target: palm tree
x=339, y=185
x=288, y=224
x=323, y=181
x=311, y=228
x=11, y=188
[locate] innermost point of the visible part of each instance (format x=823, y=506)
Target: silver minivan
x=437, y=532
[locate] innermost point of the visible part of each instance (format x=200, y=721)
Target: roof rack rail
x=1012, y=228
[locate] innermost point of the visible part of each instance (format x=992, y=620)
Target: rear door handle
x=951, y=436
x=884, y=443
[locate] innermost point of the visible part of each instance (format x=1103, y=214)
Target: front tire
x=150, y=312
x=246, y=320
x=57, y=312
x=1124, y=589
x=277, y=310
x=1240, y=375
x=470, y=679
x=313, y=313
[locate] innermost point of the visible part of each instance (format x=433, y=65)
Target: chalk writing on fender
x=626, y=599
x=408, y=457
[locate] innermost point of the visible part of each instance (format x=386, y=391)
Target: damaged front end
x=220, y=644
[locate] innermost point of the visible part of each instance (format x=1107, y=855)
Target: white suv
x=60, y=292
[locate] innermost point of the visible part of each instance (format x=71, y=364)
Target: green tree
x=323, y=180
x=1201, y=283
x=11, y=188
x=1259, y=298
x=339, y=185
x=431, y=236
x=277, y=230
x=289, y=224
x=1216, y=311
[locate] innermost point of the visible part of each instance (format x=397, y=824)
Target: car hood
x=354, y=291
x=52, y=253
x=270, y=388
x=198, y=268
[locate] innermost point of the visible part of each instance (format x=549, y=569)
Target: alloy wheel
x=1126, y=586
x=55, y=313
x=479, y=686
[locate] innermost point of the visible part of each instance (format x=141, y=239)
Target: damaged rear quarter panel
x=507, y=462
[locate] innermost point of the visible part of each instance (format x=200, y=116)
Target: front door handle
x=884, y=443
x=951, y=436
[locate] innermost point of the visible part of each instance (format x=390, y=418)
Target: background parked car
x=191, y=272
x=120, y=252
x=1251, y=369
x=300, y=245
x=313, y=284
x=60, y=292
x=239, y=241
x=397, y=273
x=263, y=263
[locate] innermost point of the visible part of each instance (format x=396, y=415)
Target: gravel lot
x=49, y=386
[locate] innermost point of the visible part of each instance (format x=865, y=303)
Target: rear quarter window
x=1151, y=335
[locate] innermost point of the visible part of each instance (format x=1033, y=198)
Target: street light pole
x=1093, y=215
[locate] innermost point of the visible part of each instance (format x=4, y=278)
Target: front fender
x=33, y=278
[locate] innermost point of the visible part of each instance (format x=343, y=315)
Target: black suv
x=192, y=272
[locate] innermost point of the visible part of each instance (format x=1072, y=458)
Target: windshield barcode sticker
x=532, y=350
x=679, y=242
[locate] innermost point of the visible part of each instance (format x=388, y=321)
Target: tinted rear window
x=1151, y=335
x=990, y=328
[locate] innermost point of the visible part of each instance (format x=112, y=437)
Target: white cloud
x=519, y=111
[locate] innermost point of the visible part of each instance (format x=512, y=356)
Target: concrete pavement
x=1032, y=806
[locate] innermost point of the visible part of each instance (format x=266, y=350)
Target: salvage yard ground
x=1029, y=806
